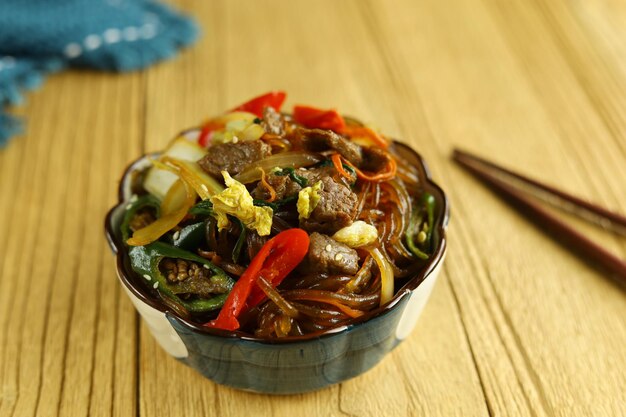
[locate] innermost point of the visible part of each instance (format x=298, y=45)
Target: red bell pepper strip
x=315, y=118
x=204, y=139
x=276, y=259
x=256, y=106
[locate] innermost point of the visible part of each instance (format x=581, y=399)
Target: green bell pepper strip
x=147, y=200
x=145, y=261
x=189, y=237
x=428, y=200
x=427, y=207
x=203, y=208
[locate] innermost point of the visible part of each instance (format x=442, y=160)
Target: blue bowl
x=293, y=364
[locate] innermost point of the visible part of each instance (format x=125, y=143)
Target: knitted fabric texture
x=38, y=37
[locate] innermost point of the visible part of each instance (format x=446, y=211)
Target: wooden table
x=516, y=325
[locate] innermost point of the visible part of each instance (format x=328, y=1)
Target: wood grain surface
x=515, y=327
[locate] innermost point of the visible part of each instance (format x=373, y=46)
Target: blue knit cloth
x=38, y=37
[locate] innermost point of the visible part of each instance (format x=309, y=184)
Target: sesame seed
x=147, y=277
x=421, y=237
x=156, y=285
x=128, y=206
x=176, y=235
x=133, y=198
x=338, y=257
x=329, y=248
x=204, y=188
x=235, y=139
x=205, y=266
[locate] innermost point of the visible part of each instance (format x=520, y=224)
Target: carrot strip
x=336, y=158
x=388, y=173
x=267, y=186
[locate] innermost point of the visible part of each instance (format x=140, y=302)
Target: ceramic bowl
x=293, y=364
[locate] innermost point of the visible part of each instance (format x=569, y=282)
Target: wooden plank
x=596, y=152
x=530, y=309
x=11, y=170
x=580, y=125
x=429, y=42
x=60, y=291
x=228, y=66
x=182, y=93
x=591, y=38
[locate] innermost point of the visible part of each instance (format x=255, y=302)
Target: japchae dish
x=277, y=224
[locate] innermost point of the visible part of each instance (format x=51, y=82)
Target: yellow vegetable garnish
x=307, y=200
x=357, y=234
x=237, y=201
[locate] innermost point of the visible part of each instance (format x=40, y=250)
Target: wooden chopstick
x=547, y=222
x=575, y=205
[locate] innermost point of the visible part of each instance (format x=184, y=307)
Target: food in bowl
x=282, y=225
x=278, y=244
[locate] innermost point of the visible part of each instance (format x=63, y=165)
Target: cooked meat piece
x=336, y=208
x=233, y=157
x=142, y=218
x=374, y=159
x=186, y=277
x=319, y=140
x=285, y=186
x=272, y=121
x=326, y=255
x=313, y=175
x=282, y=184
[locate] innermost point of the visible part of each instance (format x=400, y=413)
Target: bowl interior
x=137, y=286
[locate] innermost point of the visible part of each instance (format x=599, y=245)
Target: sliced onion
x=165, y=223
x=174, y=199
x=236, y=115
x=386, y=275
x=292, y=159
x=190, y=172
x=159, y=180
x=252, y=132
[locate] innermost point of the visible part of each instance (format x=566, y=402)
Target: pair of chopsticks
x=516, y=189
